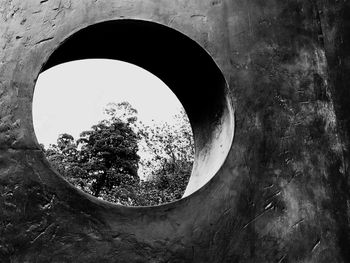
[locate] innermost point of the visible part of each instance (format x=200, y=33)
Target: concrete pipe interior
x=187, y=69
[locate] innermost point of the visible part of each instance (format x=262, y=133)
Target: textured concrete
x=279, y=193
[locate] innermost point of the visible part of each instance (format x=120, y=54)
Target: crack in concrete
x=258, y=216
x=282, y=258
x=297, y=223
x=44, y=40
x=316, y=245
x=41, y=233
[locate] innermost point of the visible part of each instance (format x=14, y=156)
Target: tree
x=102, y=159
x=109, y=150
x=169, y=156
x=105, y=160
x=166, y=152
x=64, y=156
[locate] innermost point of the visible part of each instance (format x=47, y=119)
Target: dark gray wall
x=280, y=196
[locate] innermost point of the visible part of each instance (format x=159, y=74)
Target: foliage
x=64, y=157
x=109, y=153
x=104, y=161
x=168, y=156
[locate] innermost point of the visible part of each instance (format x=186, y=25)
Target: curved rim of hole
x=182, y=64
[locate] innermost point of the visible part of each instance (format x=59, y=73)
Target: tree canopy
x=105, y=161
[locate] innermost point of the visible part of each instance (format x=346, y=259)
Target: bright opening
x=114, y=130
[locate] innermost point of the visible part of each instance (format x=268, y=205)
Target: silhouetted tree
x=104, y=161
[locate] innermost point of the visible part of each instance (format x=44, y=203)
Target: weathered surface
x=282, y=193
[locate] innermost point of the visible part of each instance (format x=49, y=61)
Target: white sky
x=70, y=97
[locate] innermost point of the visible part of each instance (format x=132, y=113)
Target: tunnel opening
x=182, y=64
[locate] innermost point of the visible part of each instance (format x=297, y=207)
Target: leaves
x=105, y=160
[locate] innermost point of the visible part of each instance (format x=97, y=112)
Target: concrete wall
x=281, y=194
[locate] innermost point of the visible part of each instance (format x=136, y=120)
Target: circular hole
x=95, y=97
x=183, y=65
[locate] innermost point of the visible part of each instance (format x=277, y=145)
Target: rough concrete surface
x=279, y=193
